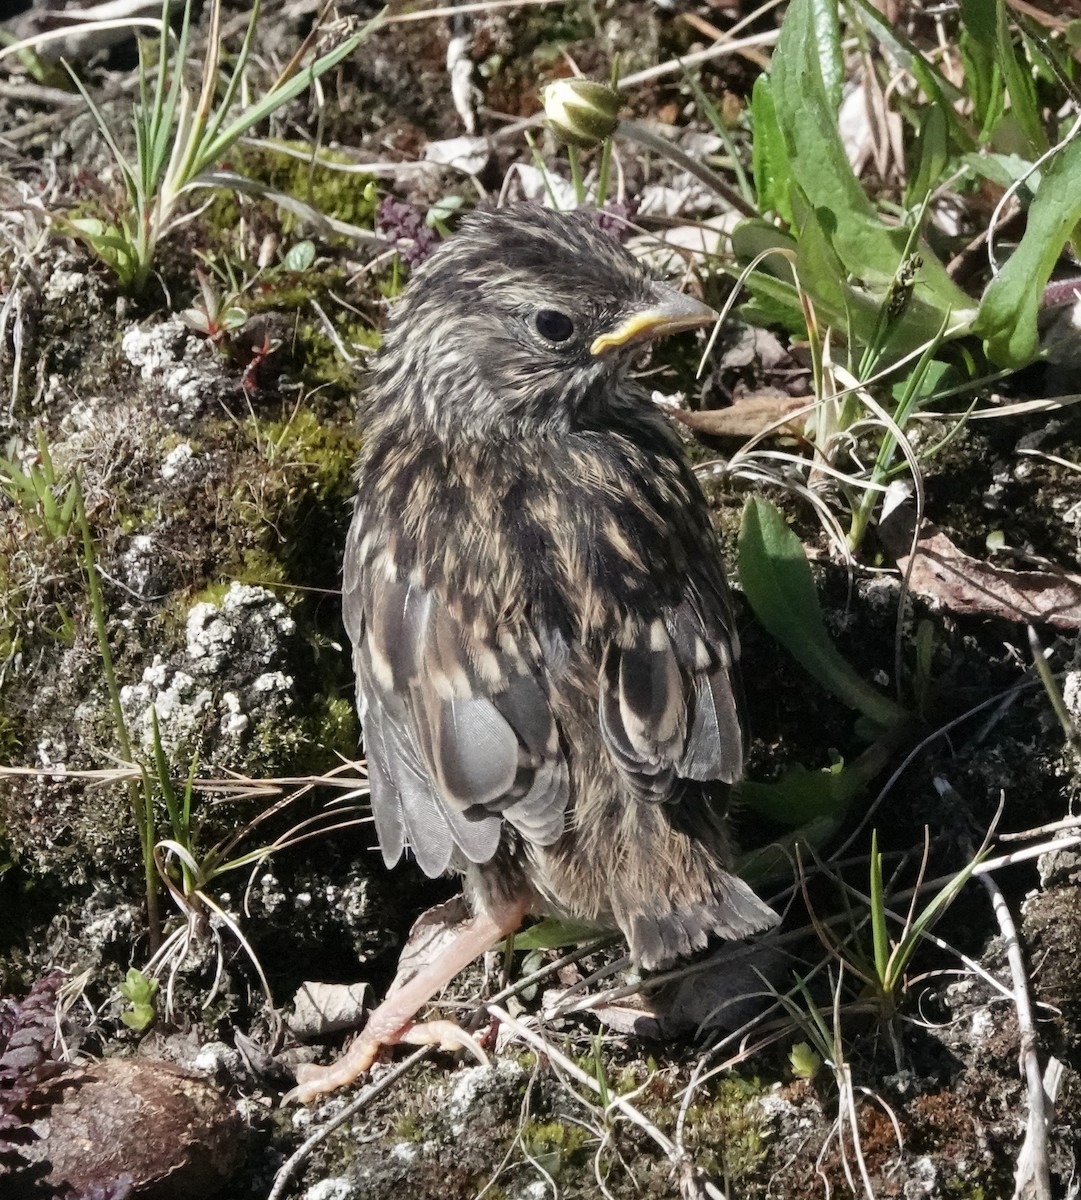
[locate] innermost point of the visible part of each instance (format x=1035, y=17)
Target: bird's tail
x=666, y=928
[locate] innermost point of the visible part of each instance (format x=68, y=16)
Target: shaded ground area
x=210, y=424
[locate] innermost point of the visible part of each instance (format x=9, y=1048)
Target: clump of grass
x=182, y=133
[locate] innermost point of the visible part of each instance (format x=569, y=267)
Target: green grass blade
x=880, y=937
x=215, y=148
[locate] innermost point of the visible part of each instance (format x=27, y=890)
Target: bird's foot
x=446, y=1035
x=424, y=974
x=313, y=1080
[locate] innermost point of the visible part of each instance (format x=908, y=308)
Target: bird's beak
x=671, y=312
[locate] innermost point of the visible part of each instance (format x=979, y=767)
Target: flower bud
x=580, y=112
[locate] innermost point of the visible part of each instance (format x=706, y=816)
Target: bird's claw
x=446, y=1035
x=314, y=1081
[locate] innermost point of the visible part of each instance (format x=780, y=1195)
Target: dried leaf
x=747, y=417
x=963, y=584
x=322, y=1008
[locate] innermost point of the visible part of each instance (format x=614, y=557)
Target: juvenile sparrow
x=544, y=649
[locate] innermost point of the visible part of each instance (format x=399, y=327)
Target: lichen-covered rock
x=228, y=677
x=181, y=366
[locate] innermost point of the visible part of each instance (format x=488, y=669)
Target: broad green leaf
x=1005, y=170
x=779, y=587
x=1008, y=310
x=826, y=32
x=978, y=46
x=932, y=154
x=869, y=249
x=554, y=932
x=807, y=117
x=802, y=794
x=1019, y=83
x=851, y=310
x=773, y=863
x=772, y=170
x=300, y=256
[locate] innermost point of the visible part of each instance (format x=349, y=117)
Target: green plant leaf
x=139, y=990
x=803, y=794
x=216, y=147
x=825, y=25
x=932, y=155
x=300, y=256
x=1005, y=170
x=1007, y=314
x=806, y=1062
x=880, y=938
x=553, y=932
x=770, y=165
x=1024, y=109
x=772, y=864
x=870, y=250
x=940, y=91
x=979, y=54
x=779, y=587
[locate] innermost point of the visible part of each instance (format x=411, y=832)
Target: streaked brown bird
x=543, y=643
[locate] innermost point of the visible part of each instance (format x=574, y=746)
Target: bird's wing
x=670, y=704
x=458, y=729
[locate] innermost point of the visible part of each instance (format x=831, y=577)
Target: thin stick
x=1033, y=1175
x=679, y=1159
x=372, y=1092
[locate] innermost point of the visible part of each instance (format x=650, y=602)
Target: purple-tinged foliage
x=405, y=225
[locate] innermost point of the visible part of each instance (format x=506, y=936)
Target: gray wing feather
x=714, y=747
x=453, y=750
x=426, y=828
x=668, y=707
x=386, y=807
x=476, y=752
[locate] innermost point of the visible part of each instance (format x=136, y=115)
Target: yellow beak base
x=672, y=313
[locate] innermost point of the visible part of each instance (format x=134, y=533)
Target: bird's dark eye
x=553, y=325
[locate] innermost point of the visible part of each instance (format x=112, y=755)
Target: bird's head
x=523, y=322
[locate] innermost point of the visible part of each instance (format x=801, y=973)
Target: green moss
x=962, y=1189
x=335, y=724
x=10, y=739
x=409, y=1128
x=288, y=168
x=287, y=501
x=306, y=745
x=317, y=457
x=554, y=1144
x=213, y=593
x=341, y=194
x=727, y=1129
x=320, y=361
x=259, y=566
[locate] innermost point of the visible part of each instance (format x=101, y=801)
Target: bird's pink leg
x=416, y=983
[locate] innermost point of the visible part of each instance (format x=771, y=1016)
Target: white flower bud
x=580, y=112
